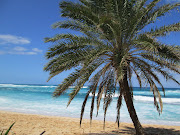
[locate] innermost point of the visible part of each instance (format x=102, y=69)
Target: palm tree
x=112, y=44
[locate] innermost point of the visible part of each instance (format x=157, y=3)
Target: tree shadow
x=148, y=131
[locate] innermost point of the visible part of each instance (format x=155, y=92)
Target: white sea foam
x=14, y=85
x=148, y=99
x=151, y=99
x=43, y=91
x=74, y=87
x=7, y=85
x=173, y=91
x=115, y=95
x=3, y=99
x=44, y=86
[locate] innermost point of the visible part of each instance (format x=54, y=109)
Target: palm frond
x=85, y=74
x=66, y=83
x=119, y=104
x=142, y=14
x=79, y=12
x=83, y=106
x=109, y=91
x=94, y=82
x=164, y=30
x=111, y=46
x=77, y=26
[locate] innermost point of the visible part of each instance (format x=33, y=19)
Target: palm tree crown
x=112, y=46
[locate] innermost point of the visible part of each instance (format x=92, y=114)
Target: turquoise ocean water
x=37, y=99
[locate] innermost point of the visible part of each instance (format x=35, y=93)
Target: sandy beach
x=30, y=124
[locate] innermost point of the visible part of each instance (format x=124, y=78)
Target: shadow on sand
x=148, y=131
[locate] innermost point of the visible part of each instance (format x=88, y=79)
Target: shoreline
x=35, y=124
x=123, y=120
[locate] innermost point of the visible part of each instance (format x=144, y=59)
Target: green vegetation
x=6, y=133
x=111, y=45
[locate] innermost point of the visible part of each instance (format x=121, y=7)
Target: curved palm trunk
x=129, y=103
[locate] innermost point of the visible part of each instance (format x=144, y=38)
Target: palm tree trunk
x=130, y=106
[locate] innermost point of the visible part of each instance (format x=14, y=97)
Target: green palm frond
x=142, y=14
x=66, y=83
x=155, y=13
x=163, y=63
x=112, y=45
x=164, y=30
x=78, y=12
x=85, y=74
x=78, y=26
x=137, y=75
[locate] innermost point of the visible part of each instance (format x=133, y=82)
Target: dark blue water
x=37, y=99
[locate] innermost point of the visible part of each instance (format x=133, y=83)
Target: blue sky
x=23, y=26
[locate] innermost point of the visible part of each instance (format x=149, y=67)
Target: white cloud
x=31, y=53
x=37, y=50
x=11, y=39
x=19, y=48
x=20, y=51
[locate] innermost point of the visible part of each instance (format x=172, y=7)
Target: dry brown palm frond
x=119, y=104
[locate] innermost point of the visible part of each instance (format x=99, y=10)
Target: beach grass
x=6, y=131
